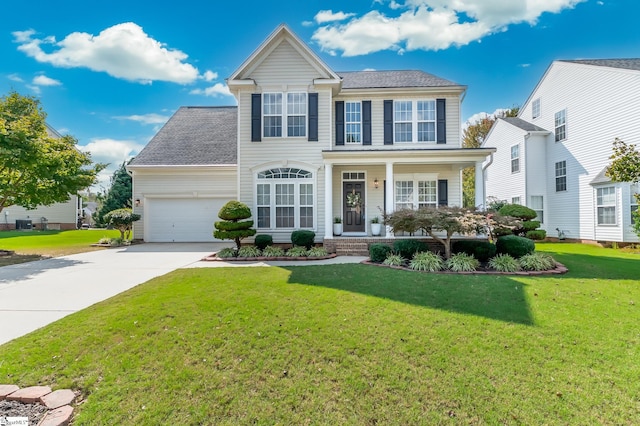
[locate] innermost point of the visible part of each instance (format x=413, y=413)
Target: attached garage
x=187, y=220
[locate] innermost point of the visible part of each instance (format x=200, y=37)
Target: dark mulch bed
x=34, y=412
x=10, y=258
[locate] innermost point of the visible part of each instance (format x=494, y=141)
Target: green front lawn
x=53, y=243
x=352, y=344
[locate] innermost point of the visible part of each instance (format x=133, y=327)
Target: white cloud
x=123, y=51
x=328, y=16
x=43, y=80
x=430, y=24
x=525, y=65
x=113, y=152
x=145, y=118
x=210, y=75
x=16, y=78
x=475, y=118
x=216, y=90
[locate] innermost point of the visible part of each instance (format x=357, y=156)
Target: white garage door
x=181, y=219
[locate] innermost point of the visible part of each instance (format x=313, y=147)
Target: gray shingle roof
x=601, y=177
x=524, y=125
x=626, y=63
x=391, y=79
x=194, y=136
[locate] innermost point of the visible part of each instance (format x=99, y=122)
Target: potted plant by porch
x=376, y=226
x=337, y=225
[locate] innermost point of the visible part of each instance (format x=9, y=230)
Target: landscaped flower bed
x=270, y=253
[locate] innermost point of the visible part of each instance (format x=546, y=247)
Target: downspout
x=484, y=187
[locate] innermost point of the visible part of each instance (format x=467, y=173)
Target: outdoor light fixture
x=376, y=183
x=137, y=202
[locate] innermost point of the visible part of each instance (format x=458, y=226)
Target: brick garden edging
x=215, y=258
x=558, y=270
x=58, y=402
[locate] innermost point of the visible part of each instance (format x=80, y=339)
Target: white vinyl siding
x=606, y=205
x=57, y=215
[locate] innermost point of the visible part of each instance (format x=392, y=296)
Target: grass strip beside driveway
x=53, y=243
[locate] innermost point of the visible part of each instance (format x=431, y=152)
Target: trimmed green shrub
x=122, y=220
x=537, y=262
x=393, y=260
x=234, y=211
x=263, y=240
x=303, y=237
x=227, y=252
x=426, y=261
x=504, y=263
x=516, y=210
x=378, y=252
x=530, y=225
x=462, y=262
x=317, y=252
x=272, y=251
x=515, y=246
x=407, y=248
x=480, y=249
x=233, y=226
x=538, y=234
x=249, y=251
x=297, y=251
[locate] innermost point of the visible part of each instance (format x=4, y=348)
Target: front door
x=353, y=205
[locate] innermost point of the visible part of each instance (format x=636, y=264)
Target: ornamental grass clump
x=537, y=262
x=504, y=263
x=273, y=251
x=297, y=251
x=426, y=261
x=393, y=260
x=227, y=252
x=249, y=251
x=462, y=262
x=317, y=252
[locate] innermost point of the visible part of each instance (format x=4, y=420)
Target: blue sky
x=111, y=73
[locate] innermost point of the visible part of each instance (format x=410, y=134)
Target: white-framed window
x=561, y=176
x=285, y=199
x=560, y=125
x=537, y=205
x=515, y=200
x=606, y=205
x=416, y=191
x=353, y=122
x=535, y=108
x=515, y=158
x=414, y=121
x=633, y=201
x=289, y=108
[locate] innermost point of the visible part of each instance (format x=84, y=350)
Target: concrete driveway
x=35, y=294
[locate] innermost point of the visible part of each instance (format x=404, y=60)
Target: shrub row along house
x=553, y=156
x=306, y=144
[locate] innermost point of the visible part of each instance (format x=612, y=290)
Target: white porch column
x=389, y=197
x=328, y=201
x=480, y=195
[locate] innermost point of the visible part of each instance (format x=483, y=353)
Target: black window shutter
x=441, y=120
x=366, y=122
x=388, y=122
x=339, y=122
x=313, y=117
x=443, y=192
x=256, y=117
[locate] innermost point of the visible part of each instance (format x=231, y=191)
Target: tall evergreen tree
x=118, y=196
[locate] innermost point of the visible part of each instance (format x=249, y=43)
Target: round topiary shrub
x=262, y=241
x=232, y=227
x=516, y=210
x=515, y=246
x=234, y=211
x=480, y=249
x=303, y=238
x=378, y=252
x=538, y=234
x=407, y=248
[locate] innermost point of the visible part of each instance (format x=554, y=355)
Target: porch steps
x=359, y=246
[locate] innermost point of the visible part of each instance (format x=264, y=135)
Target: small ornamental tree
x=625, y=167
x=232, y=226
x=122, y=220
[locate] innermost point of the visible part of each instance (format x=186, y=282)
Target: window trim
x=603, y=206
x=515, y=161
x=415, y=121
x=561, y=179
x=285, y=114
x=560, y=127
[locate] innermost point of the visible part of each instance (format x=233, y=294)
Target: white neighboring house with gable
x=553, y=156
x=60, y=216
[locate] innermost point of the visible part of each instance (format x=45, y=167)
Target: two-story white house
x=306, y=144
x=553, y=156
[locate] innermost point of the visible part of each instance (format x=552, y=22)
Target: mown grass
x=352, y=344
x=53, y=243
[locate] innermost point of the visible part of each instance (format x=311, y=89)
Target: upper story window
x=535, y=108
x=561, y=176
x=561, y=125
x=353, y=122
x=606, y=205
x=289, y=108
x=515, y=158
x=414, y=121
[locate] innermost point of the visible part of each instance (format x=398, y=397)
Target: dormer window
x=289, y=108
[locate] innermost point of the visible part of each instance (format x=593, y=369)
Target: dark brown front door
x=353, y=205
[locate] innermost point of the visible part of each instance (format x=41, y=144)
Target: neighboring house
x=304, y=145
x=553, y=156
x=62, y=216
